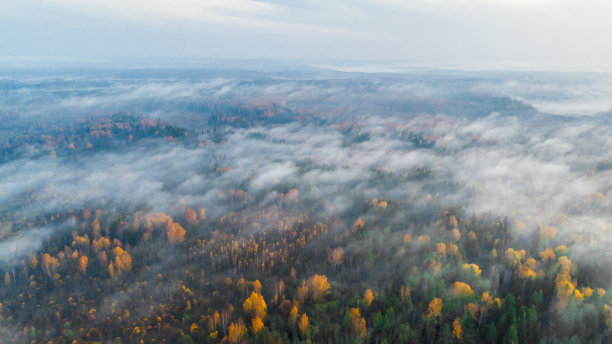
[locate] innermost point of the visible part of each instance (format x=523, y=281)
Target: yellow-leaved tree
x=49, y=263
x=293, y=315
x=255, y=306
x=303, y=324
x=457, y=331
x=358, y=323
x=123, y=260
x=236, y=332
x=474, y=268
x=100, y=243
x=257, y=324
x=435, y=308
x=460, y=289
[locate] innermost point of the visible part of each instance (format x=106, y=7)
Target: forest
x=303, y=207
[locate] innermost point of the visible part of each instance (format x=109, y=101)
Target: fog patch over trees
x=399, y=207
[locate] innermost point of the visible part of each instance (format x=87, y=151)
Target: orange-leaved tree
x=368, y=297
x=318, y=287
x=190, y=215
x=176, y=233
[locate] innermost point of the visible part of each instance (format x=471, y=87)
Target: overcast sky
x=565, y=33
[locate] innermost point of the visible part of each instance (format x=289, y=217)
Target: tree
x=525, y=272
x=83, y=264
x=303, y=324
x=441, y=249
x=95, y=227
x=538, y=297
x=318, y=287
x=435, y=308
x=279, y=289
x=255, y=305
x=457, y=332
x=193, y=328
x=214, y=320
x=514, y=257
x=123, y=260
x=453, y=249
x=302, y=292
x=358, y=224
x=547, y=255
x=176, y=233
x=522, y=323
x=111, y=270
x=237, y=331
x=461, y=289
x=257, y=286
x=512, y=336
x=49, y=264
x=564, y=285
x=190, y=216
x=293, y=315
x=257, y=324
x=368, y=296
x=405, y=293
x=407, y=238
x=226, y=317
x=492, y=336
x=100, y=243
x=334, y=256
x=389, y=320
x=33, y=261
x=472, y=308
x=82, y=241
x=358, y=324
x=456, y=235
x=474, y=268
x=561, y=251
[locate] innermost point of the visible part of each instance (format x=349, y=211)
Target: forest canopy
x=305, y=206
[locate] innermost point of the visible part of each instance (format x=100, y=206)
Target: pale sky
x=491, y=32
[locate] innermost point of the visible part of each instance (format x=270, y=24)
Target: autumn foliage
x=176, y=233
x=303, y=324
x=358, y=323
x=318, y=287
x=255, y=306
x=460, y=289
x=434, y=310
